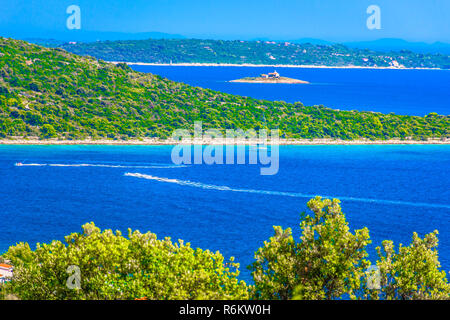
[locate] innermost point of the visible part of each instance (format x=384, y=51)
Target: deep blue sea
x=393, y=190
x=411, y=92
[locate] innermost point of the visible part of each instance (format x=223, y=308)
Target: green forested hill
x=254, y=52
x=52, y=93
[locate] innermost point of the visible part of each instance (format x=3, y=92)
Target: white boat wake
x=156, y=166
x=281, y=193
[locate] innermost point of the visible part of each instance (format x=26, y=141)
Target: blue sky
x=335, y=20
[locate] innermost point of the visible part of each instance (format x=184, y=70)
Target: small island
x=272, y=77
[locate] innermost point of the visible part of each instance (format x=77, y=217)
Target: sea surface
x=410, y=92
x=392, y=190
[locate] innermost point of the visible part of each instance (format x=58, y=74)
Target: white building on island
x=274, y=74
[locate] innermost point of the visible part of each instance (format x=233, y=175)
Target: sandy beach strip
x=264, y=65
x=156, y=142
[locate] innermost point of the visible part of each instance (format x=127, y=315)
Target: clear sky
x=336, y=20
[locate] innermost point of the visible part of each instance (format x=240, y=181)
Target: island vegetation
x=252, y=52
x=328, y=261
x=51, y=93
x=269, y=80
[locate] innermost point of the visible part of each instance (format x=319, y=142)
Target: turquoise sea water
x=393, y=190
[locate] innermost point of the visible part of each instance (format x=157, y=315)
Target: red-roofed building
x=6, y=272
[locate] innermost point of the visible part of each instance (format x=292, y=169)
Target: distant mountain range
x=400, y=44
x=58, y=38
x=61, y=37
x=387, y=44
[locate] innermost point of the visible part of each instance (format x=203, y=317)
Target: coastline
x=158, y=142
x=265, y=65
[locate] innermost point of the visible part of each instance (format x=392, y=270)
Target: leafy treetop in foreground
x=115, y=267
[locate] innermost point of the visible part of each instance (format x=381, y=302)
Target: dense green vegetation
x=329, y=262
x=50, y=93
x=254, y=52
x=115, y=267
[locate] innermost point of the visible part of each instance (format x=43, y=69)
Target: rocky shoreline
x=270, y=80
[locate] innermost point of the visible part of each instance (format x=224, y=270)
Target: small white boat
x=18, y=164
x=258, y=147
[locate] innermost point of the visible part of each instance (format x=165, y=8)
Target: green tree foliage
x=47, y=131
x=255, y=52
x=326, y=263
x=413, y=272
x=81, y=97
x=114, y=267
